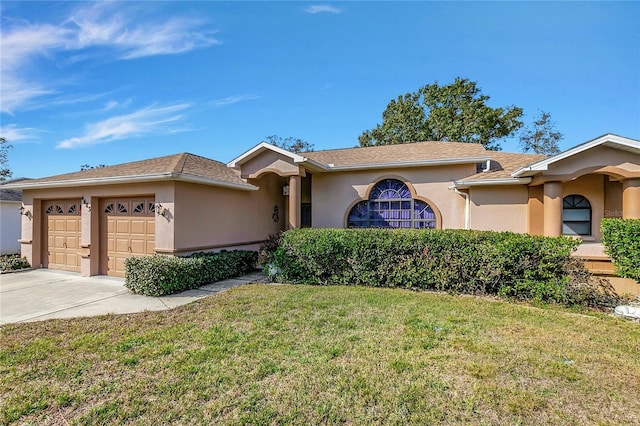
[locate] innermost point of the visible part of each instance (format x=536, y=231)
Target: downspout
x=466, y=206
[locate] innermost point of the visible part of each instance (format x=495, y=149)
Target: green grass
x=264, y=354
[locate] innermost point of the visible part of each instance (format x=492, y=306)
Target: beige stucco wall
x=333, y=194
x=624, y=162
x=208, y=217
x=535, y=212
x=612, y=198
x=269, y=161
x=499, y=208
x=592, y=188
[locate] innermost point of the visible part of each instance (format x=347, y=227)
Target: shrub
x=160, y=275
x=13, y=262
x=518, y=266
x=621, y=238
x=268, y=248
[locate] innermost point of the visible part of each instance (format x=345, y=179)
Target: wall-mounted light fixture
x=86, y=203
x=285, y=190
x=24, y=212
x=161, y=211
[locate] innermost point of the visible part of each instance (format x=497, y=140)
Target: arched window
x=390, y=206
x=576, y=215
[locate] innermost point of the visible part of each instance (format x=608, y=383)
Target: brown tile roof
x=409, y=152
x=503, y=164
x=181, y=164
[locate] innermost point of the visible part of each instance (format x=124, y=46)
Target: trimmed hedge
x=476, y=262
x=161, y=275
x=13, y=262
x=621, y=238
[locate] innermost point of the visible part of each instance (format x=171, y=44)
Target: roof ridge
x=181, y=159
x=393, y=145
x=205, y=158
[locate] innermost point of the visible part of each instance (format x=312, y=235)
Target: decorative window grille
x=109, y=208
x=576, y=215
x=390, y=205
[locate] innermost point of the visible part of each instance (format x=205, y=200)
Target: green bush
x=160, y=275
x=621, y=238
x=268, y=248
x=518, y=266
x=13, y=262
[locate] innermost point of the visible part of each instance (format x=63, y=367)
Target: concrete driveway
x=43, y=294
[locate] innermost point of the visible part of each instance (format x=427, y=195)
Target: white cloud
x=100, y=25
x=322, y=8
x=146, y=121
x=119, y=31
x=12, y=133
x=233, y=99
x=111, y=104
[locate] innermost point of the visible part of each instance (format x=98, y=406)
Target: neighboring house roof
x=183, y=167
x=11, y=195
x=611, y=140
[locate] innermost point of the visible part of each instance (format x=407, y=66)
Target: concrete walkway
x=43, y=294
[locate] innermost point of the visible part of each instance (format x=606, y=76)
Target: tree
x=84, y=167
x=455, y=112
x=541, y=137
x=5, y=172
x=402, y=122
x=290, y=144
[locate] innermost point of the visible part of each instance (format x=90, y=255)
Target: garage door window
x=131, y=208
x=70, y=208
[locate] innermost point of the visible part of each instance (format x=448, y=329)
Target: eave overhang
x=261, y=147
x=466, y=184
x=114, y=180
x=609, y=140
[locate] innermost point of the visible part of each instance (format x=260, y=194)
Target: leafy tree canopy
x=455, y=112
x=5, y=172
x=84, y=167
x=541, y=137
x=290, y=144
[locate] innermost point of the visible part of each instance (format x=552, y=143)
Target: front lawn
x=280, y=354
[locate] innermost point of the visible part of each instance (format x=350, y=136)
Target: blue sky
x=106, y=83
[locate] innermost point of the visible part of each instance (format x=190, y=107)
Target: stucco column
x=295, y=194
x=631, y=199
x=552, y=200
x=86, y=222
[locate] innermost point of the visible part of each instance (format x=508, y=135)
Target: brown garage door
x=62, y=230
x=128, y=229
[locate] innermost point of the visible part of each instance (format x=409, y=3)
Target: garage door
x=62, y=230
x=128, y=229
